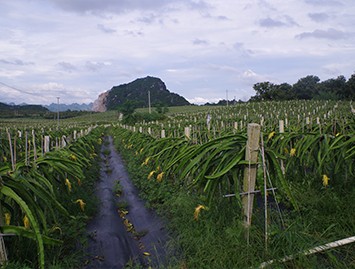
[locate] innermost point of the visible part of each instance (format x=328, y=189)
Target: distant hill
x=137, y=91
x=22, y=110
x=73, y=107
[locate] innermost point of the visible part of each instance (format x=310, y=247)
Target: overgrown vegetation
x=186, y=178
x=47, y=200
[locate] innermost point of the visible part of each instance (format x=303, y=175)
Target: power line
x=16, y=89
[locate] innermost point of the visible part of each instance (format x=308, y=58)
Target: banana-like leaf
x=10, y=193
x=21, y=231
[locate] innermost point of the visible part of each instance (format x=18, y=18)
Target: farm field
x=232, y=197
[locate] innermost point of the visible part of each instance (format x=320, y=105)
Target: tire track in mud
x=120, y=236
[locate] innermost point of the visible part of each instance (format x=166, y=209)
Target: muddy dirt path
x=119, y=236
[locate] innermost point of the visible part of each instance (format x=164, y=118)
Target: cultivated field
x=249, y=185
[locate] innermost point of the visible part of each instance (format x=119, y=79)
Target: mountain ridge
x=138, y=91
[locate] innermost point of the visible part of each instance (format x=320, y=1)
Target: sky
x=204, y=50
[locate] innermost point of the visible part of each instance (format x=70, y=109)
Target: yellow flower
x=325, y=180
x=68, y=184
x=79, y=181
x=4, y=159
x=146, y=161
x=198, y=210
x=26, y=222
x=271, y=135
x=72, y=157
x=81, y=204
x=293, y=152
x=160, y=177
x=7, y=218
x=337, y=134
x=141, y=150
x=151, y=174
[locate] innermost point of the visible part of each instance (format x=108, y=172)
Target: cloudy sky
x=201, y=49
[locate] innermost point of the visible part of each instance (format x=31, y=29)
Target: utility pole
x=58, y=112
x=149, y=109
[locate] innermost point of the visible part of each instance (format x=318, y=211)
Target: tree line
x=309, y=87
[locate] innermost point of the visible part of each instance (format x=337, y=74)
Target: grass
x=218, y=238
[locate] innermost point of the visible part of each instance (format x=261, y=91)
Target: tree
x=263, y=90
x=332, y=88
x=161, y=108
x=349, y=91
x=306, y=88
x=127, y=109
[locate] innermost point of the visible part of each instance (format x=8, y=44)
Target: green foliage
x=137, y=91
x=177, y=174
x=161, y=108
x=45, y=191
x=307, y=88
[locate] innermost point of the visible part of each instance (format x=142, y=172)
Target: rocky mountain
x=73, y=107
x=137, y=91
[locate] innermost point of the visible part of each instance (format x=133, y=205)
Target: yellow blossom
x=198, y=210
x=4, y=159
x=160, y=177
x=337, y=134
x=325, y=180
x=68, y=184
x=141, y=150
x=26, y=222
x=271, y=135
x=79, y=181
x=72, y=157
x=151, y=174
x=146, y=161
x=293, y=152
x=81, y=204
x=7, y=218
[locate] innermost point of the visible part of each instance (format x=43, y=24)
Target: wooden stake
x=251, y=155
x=11, y=150
x=187, y=132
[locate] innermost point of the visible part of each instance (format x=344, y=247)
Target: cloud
x=202, y=100
x=151, y=18
x=105, y=29
x=268, y=22
x=334, y=69
x=15, y=62
x=240, y=47
x=68, y=67
x=96, y=66
x=331, y=34
x=285, y=21
x=324, y=2
x=198, y=41
x=120, y=6
x=318, y=17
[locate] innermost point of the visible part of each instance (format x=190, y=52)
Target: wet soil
x=124, y=231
